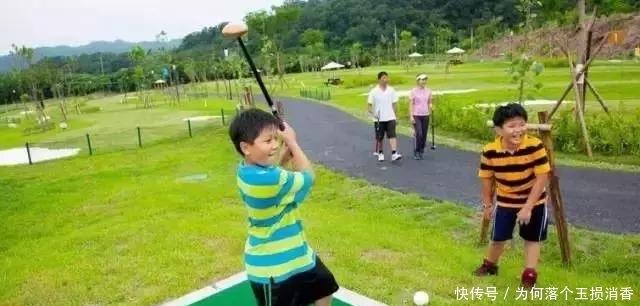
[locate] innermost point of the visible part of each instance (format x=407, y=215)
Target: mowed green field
x=125, y=228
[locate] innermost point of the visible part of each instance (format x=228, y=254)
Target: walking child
x=514, y=168
x=420, y=107
x=281, y=266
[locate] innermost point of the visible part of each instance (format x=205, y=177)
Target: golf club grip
x=274, y=111
x=433, y=131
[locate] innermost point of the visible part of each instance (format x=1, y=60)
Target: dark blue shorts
x=505, y=221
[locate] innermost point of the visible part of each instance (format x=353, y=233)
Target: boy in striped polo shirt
x=281, y=266
x=514, y=168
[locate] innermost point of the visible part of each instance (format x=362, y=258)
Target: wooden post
x=579, y=112
x=598, y=96
x=554, y=191
x=559, y=102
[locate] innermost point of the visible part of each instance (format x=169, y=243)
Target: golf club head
x=433, y=147
x=234, y=30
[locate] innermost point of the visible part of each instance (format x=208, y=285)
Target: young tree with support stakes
x=578, y=69
x=276, y=26
x=30, y=75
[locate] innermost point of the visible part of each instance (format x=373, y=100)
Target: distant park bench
x=455, y=61
x=333, y=81
x=43, y=127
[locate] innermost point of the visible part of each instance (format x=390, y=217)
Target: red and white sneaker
x=529, y=278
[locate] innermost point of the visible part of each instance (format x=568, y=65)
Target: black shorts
x=505, y=221
x=300, y=290
x=385, y=128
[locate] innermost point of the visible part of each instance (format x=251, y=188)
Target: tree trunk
x=581, y=48
x=280, y=73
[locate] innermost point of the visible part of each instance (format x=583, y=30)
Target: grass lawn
x=123, y=228
x=114, y=125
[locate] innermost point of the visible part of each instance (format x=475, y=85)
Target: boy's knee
x=532, y=243
x=325, y=301
x=498, y=243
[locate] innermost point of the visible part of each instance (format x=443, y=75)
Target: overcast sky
x=40, y=23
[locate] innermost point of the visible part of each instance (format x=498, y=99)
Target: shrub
x=554, y=62
x=468, y=121
x=90, y=109
x=356, y=81
x=609, y=134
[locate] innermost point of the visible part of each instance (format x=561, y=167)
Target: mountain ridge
x=8, y=61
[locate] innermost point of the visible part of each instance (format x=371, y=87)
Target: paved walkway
x=597, y=199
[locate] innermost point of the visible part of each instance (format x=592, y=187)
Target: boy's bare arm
x=538, y=188
x=541, y=170
x=284, y=156
x=487, y=191
x=299, y=158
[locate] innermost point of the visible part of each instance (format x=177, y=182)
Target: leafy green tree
x=523, y=71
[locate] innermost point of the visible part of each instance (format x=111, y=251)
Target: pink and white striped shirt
x=420, y=101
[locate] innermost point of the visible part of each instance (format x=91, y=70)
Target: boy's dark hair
x=507, y=112
x=248, y=125
x=381, y=74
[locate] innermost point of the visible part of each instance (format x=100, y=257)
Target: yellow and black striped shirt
x=514, y=173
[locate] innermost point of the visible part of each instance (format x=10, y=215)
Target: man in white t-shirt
x=382, y=105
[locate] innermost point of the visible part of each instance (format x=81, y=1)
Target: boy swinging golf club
x=282, y=268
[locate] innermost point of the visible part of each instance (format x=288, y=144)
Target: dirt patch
x=541, y=41
x=381, y=255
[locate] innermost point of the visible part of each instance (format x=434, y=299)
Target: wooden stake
x=559, y=102
x=586, y=69
x=580, y=114
x=556, y=197
x=597, y=95
x=565, y=51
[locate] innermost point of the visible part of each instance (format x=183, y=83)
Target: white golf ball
x=421, y=298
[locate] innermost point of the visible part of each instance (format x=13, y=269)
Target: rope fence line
x=132, y=138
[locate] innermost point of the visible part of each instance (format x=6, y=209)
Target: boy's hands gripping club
x=298, y=157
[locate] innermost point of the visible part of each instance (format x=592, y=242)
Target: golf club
x=433, y=133
x=375, y=138
x=415, y=139
x=237, y=31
